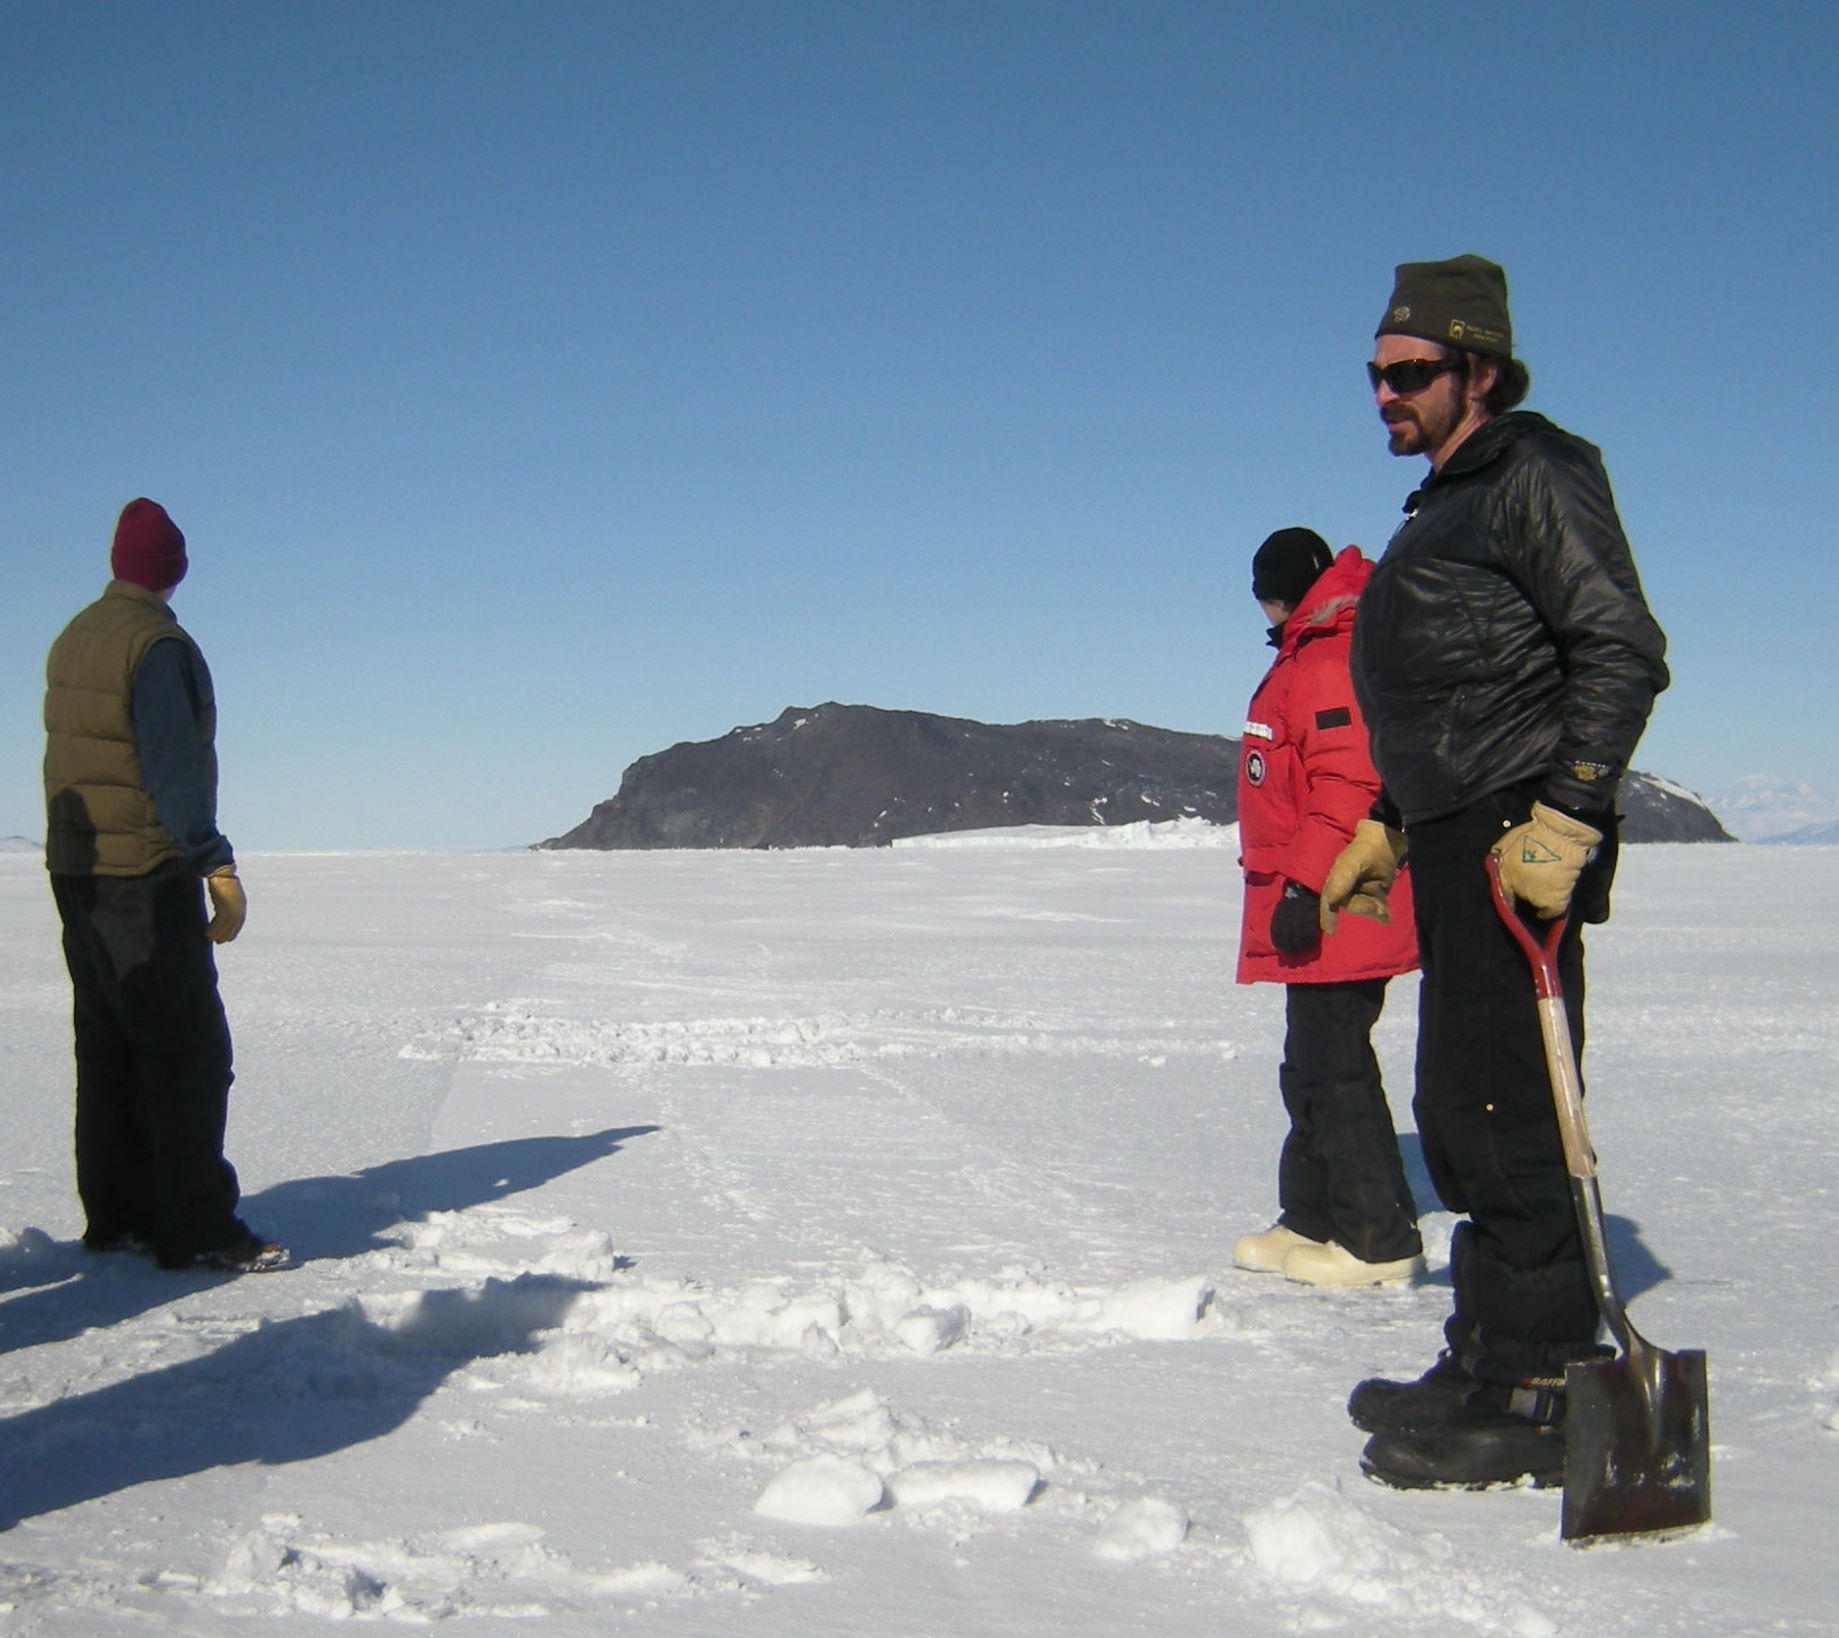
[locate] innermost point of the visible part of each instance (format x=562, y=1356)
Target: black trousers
x=1523, y=1303
x=153, y=1063
x=1339, y=1177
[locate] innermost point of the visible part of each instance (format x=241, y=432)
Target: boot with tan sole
x=1335, y=1265
x=1264, y=1253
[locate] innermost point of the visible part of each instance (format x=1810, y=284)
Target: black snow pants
x=1523, y=1303
x=1339, y=1177
x=153, y=1063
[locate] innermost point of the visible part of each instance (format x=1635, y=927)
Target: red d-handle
x=1541, y=954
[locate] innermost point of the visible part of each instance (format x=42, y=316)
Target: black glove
x=1296, y=924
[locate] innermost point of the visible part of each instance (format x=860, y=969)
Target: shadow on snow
x=287, y=1391
x=1637, y=1269
x=69, y=1291
x=346, y=1216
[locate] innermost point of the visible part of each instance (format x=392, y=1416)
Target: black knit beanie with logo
x=1460, y=303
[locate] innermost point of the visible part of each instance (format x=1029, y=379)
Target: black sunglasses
x=1410, y=375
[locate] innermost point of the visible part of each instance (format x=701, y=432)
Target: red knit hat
x=149, y=550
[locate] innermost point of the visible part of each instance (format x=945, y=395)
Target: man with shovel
x=1506, y=662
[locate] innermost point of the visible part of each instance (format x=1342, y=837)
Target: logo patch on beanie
x=1460, y=331
x=1400, y=314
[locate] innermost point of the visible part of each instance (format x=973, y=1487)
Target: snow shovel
x=1637, y=1429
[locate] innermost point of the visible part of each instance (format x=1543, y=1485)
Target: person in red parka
x=1346, y=1215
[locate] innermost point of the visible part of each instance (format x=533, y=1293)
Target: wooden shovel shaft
x=1567, y=1087
x=1624, y=1474
x=1568, y=1102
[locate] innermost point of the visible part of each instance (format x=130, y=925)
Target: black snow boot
x=1492, y=1436
x=1382, y=1405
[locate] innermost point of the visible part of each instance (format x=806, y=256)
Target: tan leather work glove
x=1362, y=873
x=1542, y=859
x=229, y=904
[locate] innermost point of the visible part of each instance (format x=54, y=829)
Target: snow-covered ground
x=835, y=1243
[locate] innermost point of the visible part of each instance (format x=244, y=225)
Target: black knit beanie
x=1461, y=303
x=1288, y=564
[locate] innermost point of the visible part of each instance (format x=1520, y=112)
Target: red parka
x=1305, y=780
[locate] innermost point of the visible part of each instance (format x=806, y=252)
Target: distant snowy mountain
x=1768, y=807
x=19, y=844
x=1826, y=835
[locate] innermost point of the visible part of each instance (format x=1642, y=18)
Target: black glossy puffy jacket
x=1503, y=638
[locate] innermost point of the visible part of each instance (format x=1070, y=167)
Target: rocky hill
x=1657, y=810
x=857, y=776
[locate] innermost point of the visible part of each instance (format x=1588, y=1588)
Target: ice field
x=836, y=1243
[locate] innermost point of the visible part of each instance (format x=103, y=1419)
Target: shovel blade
x=1637, y=1436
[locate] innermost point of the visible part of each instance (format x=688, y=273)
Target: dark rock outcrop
x=1656, y=810
x=856, y=776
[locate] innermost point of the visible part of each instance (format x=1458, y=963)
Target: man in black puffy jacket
x=1506, y=663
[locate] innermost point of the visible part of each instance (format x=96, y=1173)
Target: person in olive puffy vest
x=131, y=830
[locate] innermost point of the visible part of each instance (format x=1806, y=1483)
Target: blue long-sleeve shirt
x=166, y=703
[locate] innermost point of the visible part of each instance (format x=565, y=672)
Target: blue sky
x=542, y=384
